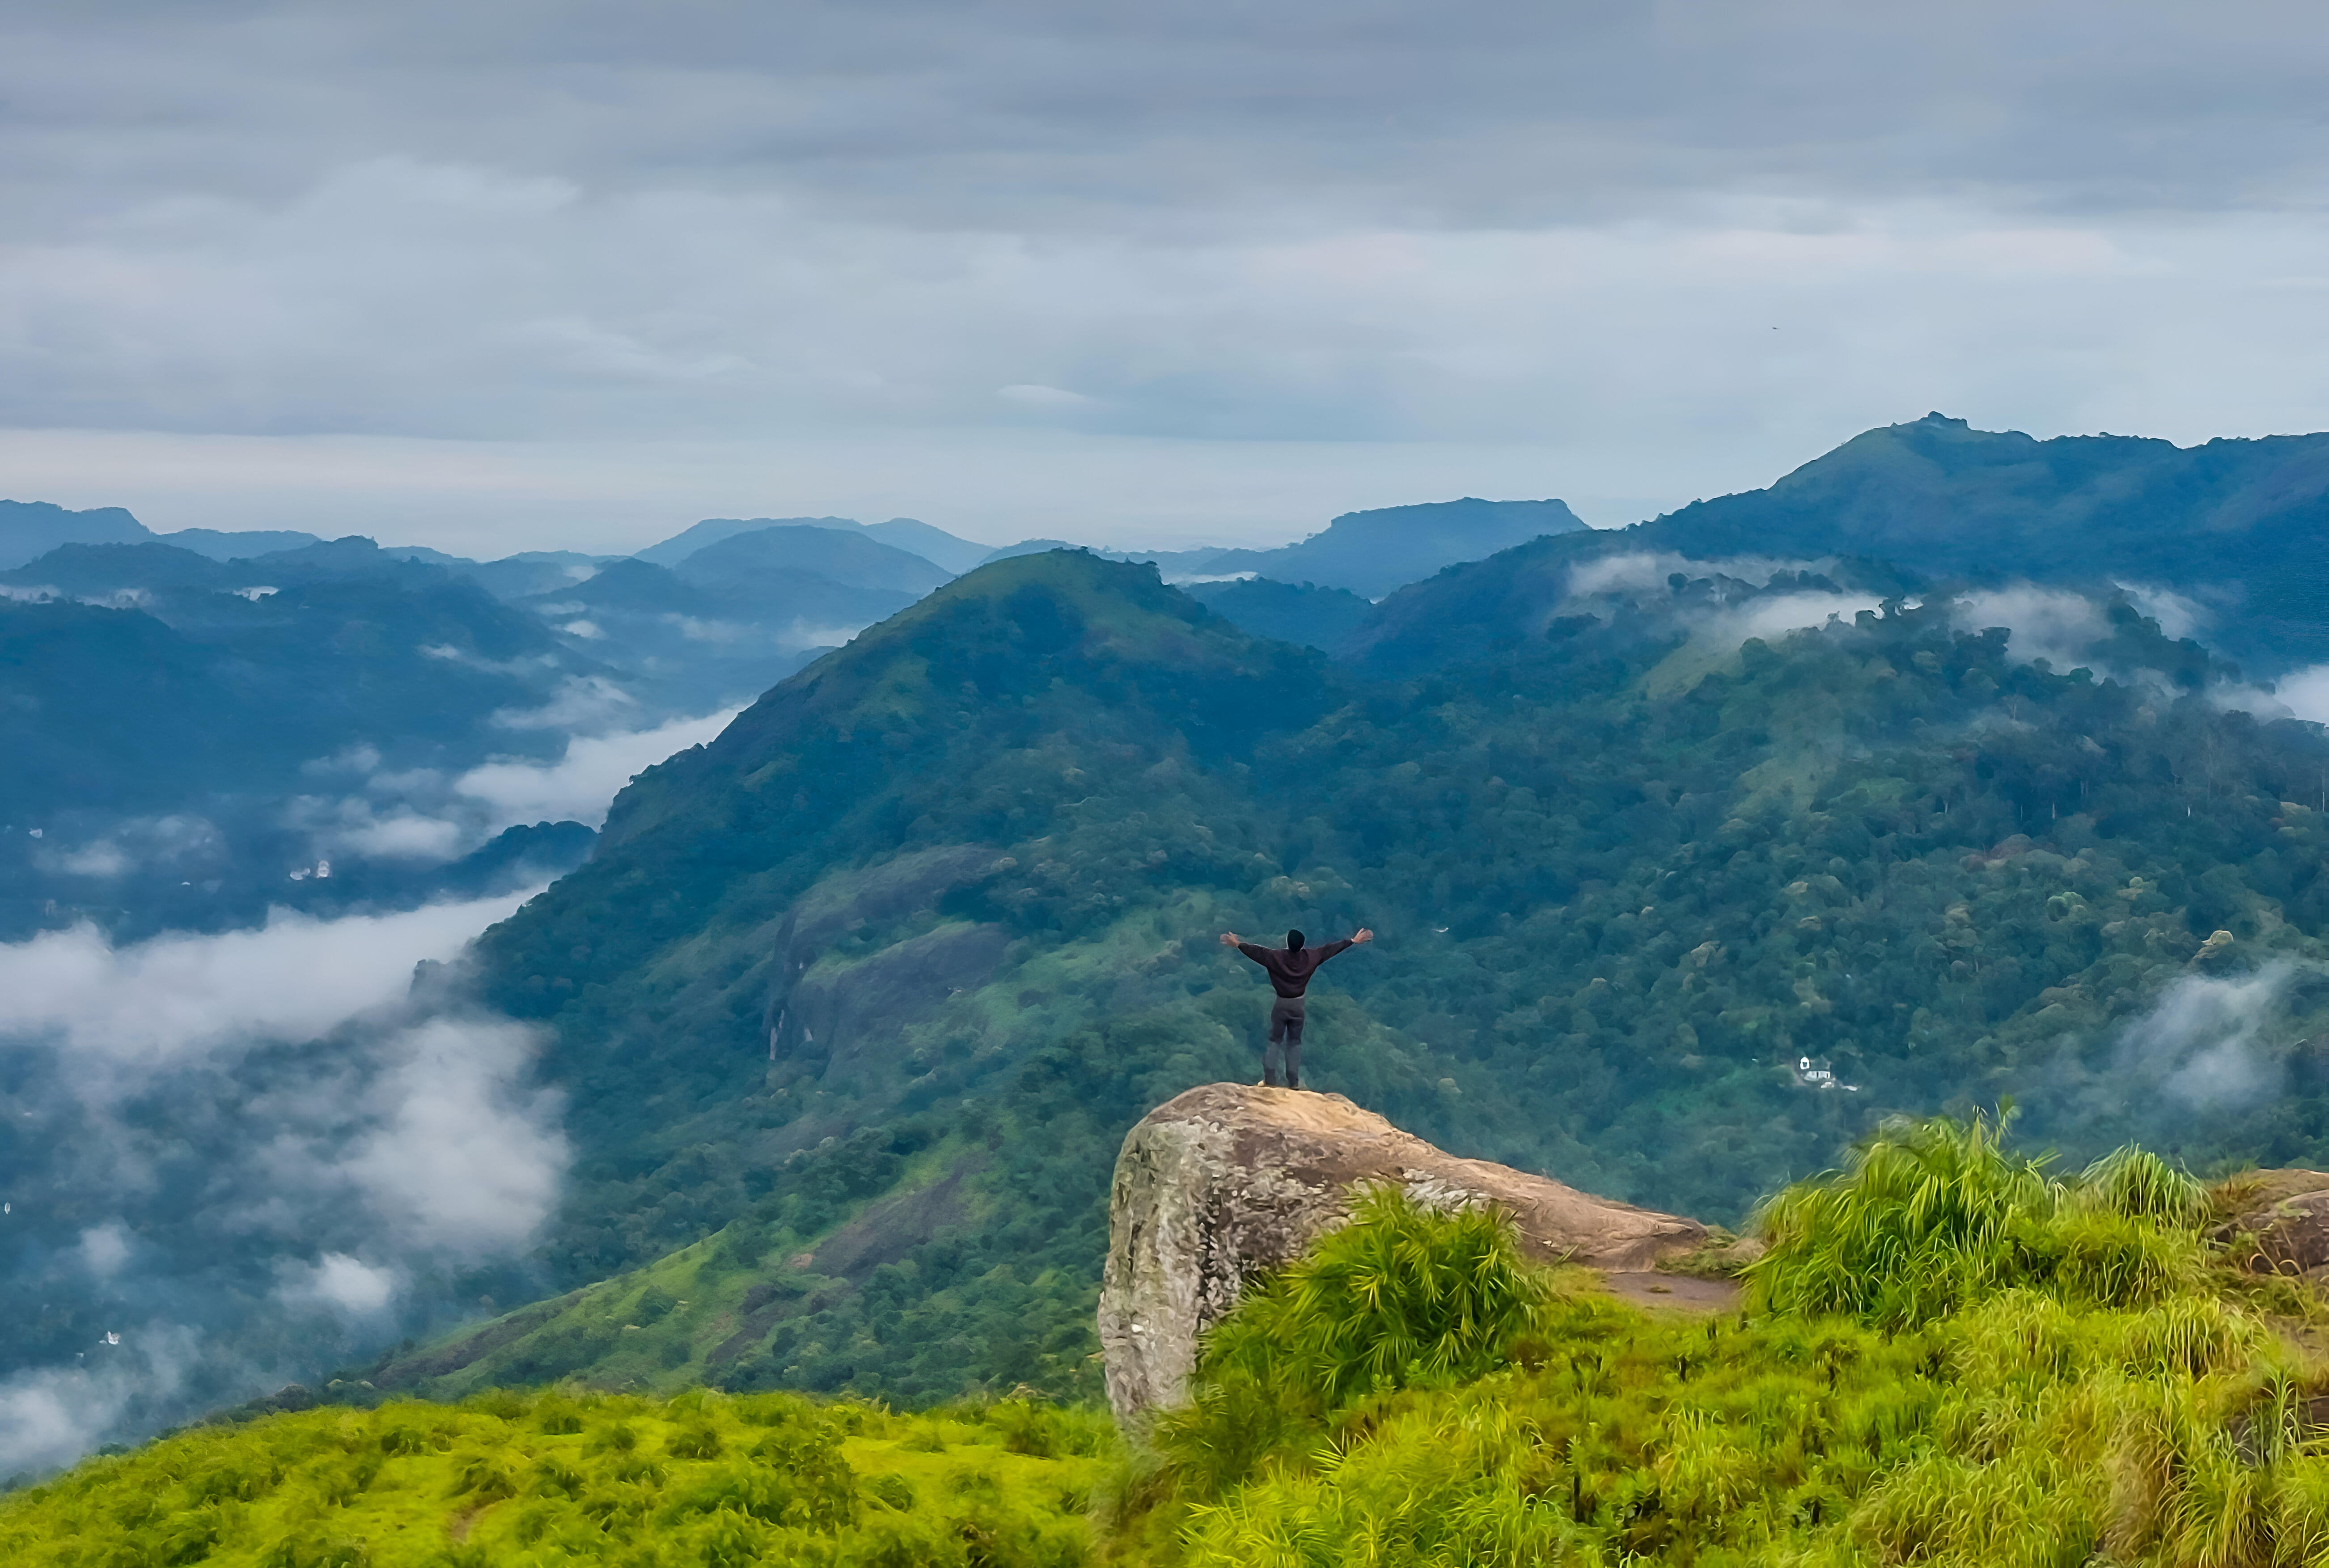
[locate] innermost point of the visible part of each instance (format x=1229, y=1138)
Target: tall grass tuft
x=1928, y=1216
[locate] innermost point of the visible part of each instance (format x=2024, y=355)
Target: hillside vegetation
x=854, y=1006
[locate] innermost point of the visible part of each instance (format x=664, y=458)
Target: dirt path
x=1676, y=1292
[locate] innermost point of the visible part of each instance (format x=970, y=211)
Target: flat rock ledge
x=1229, y=1181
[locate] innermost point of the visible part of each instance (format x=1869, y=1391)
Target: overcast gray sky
x=501, y=275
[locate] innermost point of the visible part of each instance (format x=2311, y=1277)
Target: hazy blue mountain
x=1176, y=565
x=512, y=577
x=166, y=714
x=531, y=571
x=1367, y=553
x=204, y=690
x=934, y=544
x=1029, y=547
x=908, y=534
x=696, y=649
x=1372, y=552
x=30, y=529
x=629, y=583
x=237, y=544
x=98, y=571
x=350, y=557
x=671, y=551
x=839, y=555
x=1320, y=618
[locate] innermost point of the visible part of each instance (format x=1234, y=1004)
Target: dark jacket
x=1289, y=973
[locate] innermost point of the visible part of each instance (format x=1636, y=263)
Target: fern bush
x=1400, y=1294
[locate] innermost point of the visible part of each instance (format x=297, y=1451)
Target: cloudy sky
x=494, y=277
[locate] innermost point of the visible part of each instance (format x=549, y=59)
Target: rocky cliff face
x=1227, y=1181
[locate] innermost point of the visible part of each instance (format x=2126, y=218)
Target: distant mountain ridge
x=2240, y=526
x=910, y=534
x=30, y=529
x=839, y=555
x=1372, y=552
x=1364, y=553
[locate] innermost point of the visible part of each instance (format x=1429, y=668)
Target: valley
x=814, y=1053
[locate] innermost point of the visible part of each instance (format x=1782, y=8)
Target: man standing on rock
x=1290, y=969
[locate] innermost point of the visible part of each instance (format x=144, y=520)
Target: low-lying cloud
x=580, y=785
x=1639, y=571
x=248, y=1155
x=52, y=1415
x=425, y=815
x=465, y=1160
x=2202, y=1041
x=1731, y=601
x=149, y=1004
x=1781, y=613
x=2046, y=623
x=342, y=1283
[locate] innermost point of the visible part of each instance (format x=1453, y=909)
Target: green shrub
x=1402, y=1293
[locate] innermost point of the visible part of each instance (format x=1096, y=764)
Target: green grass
x=571, y=1477
x=1948, y=1358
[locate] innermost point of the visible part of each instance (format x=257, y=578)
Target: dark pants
x=1286, y=1037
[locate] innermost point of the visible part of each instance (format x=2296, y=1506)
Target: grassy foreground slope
x=1951, y=1354
x=559, y=1478
x=1948, y=1357
x=854, y=1006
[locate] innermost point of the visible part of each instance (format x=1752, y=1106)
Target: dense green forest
x=854, y=1005
x=2237, y=526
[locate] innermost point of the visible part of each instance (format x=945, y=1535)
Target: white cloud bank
x=580, y=785
x=152, y=1003
x=463, y=1160
x=2202, y=1041
x=52, y=1416
x=425, y=817
x=357, y=1140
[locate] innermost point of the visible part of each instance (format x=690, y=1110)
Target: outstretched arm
x=1331, y=948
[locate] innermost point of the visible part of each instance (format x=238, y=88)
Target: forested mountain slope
x=2242, y=526
x=877, y=980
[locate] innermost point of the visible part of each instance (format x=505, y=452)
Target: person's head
x=1294, y=942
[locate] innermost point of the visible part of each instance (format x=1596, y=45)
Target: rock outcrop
x=1227, y=1181
x=2287, y=1213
